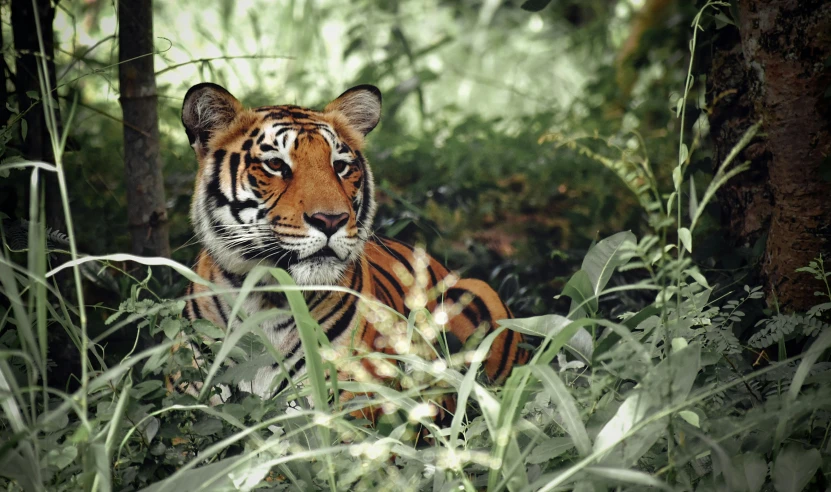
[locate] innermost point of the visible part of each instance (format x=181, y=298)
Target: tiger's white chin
x=318, y=271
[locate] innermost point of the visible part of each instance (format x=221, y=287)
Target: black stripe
x=355, y=285
x=393, y=282
x=388, y=298
x=234, y=163
x=400, y=258
x=468, y=311
x=503, y=361
x=195, y=312
x=217, y=304
x=432, y=272
x=344, y=322
x=367, y=198
x=315, y=303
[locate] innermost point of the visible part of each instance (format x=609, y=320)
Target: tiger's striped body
x=288, y=187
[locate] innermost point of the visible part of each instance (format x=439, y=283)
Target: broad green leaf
x=579, y=289
x=565, y=406
x=62, y=457
x=549, y=449
x=602, y=259
x=506, y=451
x=549, y=325
x=677, y=177
x=214, y=475
x=672, y=379
x=693, y=200
x=205, y=327
x=171, y=327
x=623, y=475
x=612, y=338
x=691, y=417
x=611, y=437
x=538, y=326
x=755, y=470
x=794, y=467
x=101, y=466
x=666, y=384
x=686, y=238
x=207, y=426
x=683, y=154
x=816, y=349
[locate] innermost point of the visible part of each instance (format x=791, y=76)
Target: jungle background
x=504, y=147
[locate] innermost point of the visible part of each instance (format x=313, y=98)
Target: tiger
x=289, y=187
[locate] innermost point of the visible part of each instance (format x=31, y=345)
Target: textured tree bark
x=146, y=210
x=36, y=144
x=776, y=69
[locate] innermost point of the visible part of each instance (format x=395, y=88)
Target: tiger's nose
x=327, y=223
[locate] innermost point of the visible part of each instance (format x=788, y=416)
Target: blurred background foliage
x=469, y=88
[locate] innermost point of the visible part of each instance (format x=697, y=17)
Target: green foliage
x=675, y=390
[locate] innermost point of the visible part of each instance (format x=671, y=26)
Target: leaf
x=667, y=383
x=693, y=205
x=534, y=5
x=722, y=20
x=672, y=379
x=686, y=238
x=683, y=154
x=207, y=426
x=55, y=424
x=602, y=259
x=691, y=417
x=171, y=327
x=565, y=406
x=208, y=329
x=630, y=413
x=579, y=289
x=811, y=355
x=62, y=457
x=677, y=178
x=97, y=456
x=794, y=468
x=150, y=428
x=24, y=129
x=549, y=449
x=145, y=388
x=755, y=470
x=612, y=338
x=537, y=326
x=213, y=476
x=618, y=475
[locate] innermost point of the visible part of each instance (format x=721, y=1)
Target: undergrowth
x=663, y=397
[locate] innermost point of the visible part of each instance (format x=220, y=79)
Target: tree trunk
x=36, y=144
x=776, y=69
x=146, y=211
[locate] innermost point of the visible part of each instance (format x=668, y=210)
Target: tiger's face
x=282, y=185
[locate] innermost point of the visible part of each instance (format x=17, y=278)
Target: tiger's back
x=289, y=187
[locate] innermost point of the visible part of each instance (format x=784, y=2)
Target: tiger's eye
x=340, y=166
x=276, y=164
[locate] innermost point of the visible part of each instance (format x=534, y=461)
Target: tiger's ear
x=361, y=105
x=207, y=108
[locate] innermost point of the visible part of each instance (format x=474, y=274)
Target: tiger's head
x=282, y=185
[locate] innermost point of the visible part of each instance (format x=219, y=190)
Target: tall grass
x=650, y=400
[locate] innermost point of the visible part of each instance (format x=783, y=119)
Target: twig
x=205, y=60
